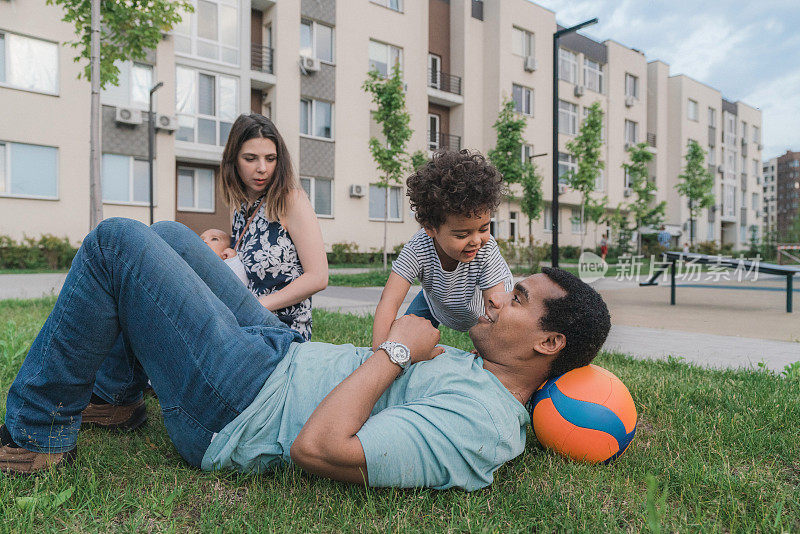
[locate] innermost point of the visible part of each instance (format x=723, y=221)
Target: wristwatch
x=398, y=353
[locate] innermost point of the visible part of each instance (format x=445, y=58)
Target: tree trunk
x=95, y=187
x=691, y=223
x=530, y=246
x=583, y=224
x=386, y=228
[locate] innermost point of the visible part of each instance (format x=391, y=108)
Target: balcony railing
x=438, y=140
x=651, y=139
x=261, y=58
x=444, y=81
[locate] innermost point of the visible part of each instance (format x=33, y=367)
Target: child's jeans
x=419, y=307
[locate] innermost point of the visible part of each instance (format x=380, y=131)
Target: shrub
x=48, y=252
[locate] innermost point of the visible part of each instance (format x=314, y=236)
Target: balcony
x=444, y=89
x=437, y=140
x=261, y=67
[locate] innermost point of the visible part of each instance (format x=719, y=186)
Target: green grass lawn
x=715, y=451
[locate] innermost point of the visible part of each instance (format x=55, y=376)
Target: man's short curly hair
x=461, y=183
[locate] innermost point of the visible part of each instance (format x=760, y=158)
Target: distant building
x=788, y=188
x=770, y=204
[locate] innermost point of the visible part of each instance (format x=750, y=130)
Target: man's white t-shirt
x=455, y=297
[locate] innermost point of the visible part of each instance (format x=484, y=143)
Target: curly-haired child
x=453, y=255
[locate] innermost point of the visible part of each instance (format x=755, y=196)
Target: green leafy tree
x=621, y=228
x=507, y=157
x=596, y=211
x=643, y=208
x=418, y=159
x=697, y=184
x=585, y=149
x=129, y=30
x=390, y=153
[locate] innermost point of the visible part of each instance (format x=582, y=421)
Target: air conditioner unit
x=167, y=122
x=356, y=191
x=309, y=64
x=760, y=147
x=628, y=146
x=530, y=63
x=629, y=101
x=627, y=192
x=562, y=188
x=128, y=116
x=720, y=169
x=578, y=90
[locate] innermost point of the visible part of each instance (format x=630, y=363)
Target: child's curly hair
x=461, y=183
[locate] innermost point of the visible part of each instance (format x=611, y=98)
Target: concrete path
x=698, y=329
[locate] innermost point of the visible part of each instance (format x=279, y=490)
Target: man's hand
x=418, y=334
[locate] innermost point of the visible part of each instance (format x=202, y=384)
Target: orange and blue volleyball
x=586, y=414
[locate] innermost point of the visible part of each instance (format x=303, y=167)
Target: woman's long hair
x=283, y=181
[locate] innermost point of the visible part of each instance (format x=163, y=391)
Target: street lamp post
x=151, y=138
x=554, y=204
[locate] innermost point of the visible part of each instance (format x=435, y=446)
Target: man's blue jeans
x=202, y=338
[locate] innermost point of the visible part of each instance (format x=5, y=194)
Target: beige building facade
x=303, y=64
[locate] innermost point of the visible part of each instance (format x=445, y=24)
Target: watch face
x=401, y=354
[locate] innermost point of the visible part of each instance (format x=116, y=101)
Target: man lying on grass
x=239, y=390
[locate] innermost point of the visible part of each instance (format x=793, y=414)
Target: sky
x=749, y=51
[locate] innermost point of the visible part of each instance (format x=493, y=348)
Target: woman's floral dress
x=270, y=259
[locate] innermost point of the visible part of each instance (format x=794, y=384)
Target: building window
x=729, y=204
x=396, y=5
x=377, y=202
x=577, y=227
x=211, y=32
x=316, y=118
x=195, y=189
x=316, y=40
x=599, y=181
x=592, y=75
x=207, y=105
x=526, y=153
x=754, y=200
x=712, y=156
x=433, y=131
x=756, y=134
x=383, y=57
x=692, y=110
x=548, y=218
x=28, y=64
x=631, y=85
x=567, y=118
x=602, y=123
x=28, y=170
x=566, y=163
x=133, y=89
x=755, y=168
x=626, y=179
x=712, y=117
x=522, y=43
x=567, y=65
x=710, y=231
x=523, y=99
x=512, y=226
x=434, y=71
x=126, y=180
x=631, y=132
x=320, y=192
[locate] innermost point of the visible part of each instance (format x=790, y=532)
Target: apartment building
x=787, y=201
x=303, y=64
x=770, y=195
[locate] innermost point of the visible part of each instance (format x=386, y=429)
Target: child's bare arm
x=391, y=299
x=501, y=288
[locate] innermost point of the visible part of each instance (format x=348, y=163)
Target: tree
x=620, y=226
x=585, y=149
x=506, y=156
x=596, y=211
x=697, y=184
x=418, y=159
x=129, y=30
x=390, y=154
x=645, y=213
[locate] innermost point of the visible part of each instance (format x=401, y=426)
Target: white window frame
x=692, y=110
x=600, y=180
x=567, y=60
x=631, y=85
x=712, y=117
x=434, y=71
x=754, y=199
x=389, y=48
x=526, y=151
x=194, y=39
x=217, y=100
x=130, y=202
x=547, y=219
x=7, y=60
x=756, y=134
x=568, y=161
x=312, y=194
x=593, y=74
x=632, y=140
x=513, y=226
x=399, y=207
x=570, y=113
x=433, y=142
x=388, y=4
x=194, y=208
x=627, y=183
x=526, y=39
x=314, y=40
x=5, y=173
x=108, y=96
x=577, y=227
x=312, y=120
x=527, y=96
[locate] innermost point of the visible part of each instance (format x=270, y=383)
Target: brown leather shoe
x=113, y=417
x=15, y=460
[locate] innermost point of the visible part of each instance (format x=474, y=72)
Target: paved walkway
x=715, y=327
